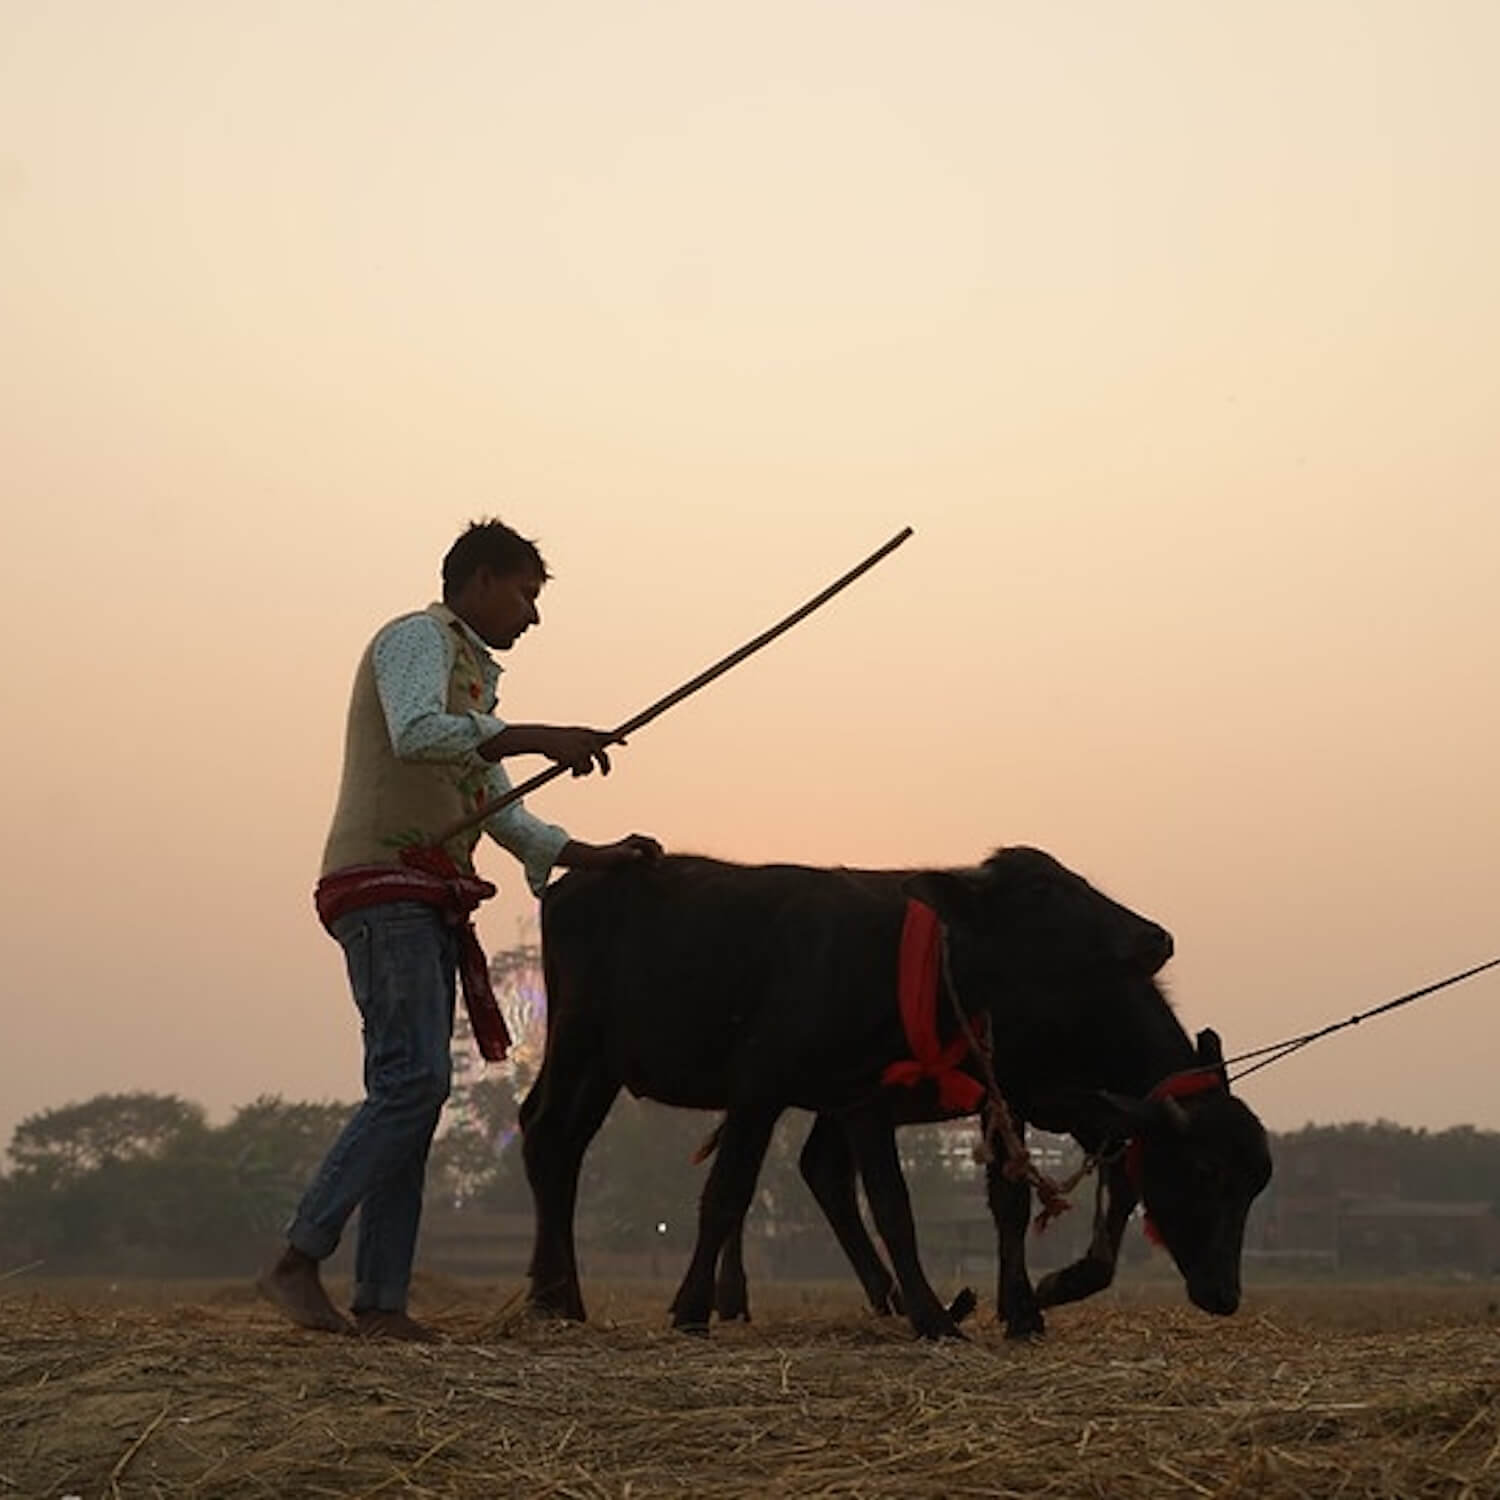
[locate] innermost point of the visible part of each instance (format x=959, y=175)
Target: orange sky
x=1171, y=329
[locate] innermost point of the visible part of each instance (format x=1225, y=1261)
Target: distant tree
x=61, y=1144
x=140, y=1182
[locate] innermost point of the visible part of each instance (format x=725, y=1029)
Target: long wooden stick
x=702, y=680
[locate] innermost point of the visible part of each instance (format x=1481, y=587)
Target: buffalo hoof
x=939, y=1326
x=883, y=1295
x=556, y=1306
x=732, y=1309
x=552, y=1313
x=1033, y=1327
x=693, y=1330
x=732, y=1300
x=963, y=1305
x=945, y=1331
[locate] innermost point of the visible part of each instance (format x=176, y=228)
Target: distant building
x=1336, y=1201
x=1393, y=1236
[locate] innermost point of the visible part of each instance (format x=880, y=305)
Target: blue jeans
x=401, y=959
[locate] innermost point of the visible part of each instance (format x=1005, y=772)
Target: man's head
x=491, y=578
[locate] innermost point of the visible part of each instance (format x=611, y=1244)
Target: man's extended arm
x=539, y=846
x=411, y=675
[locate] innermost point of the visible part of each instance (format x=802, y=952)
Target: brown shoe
x=292, y=1285
x=378, y=1323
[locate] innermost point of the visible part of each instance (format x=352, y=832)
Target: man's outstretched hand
x=634, y=848
x=570, y=745
x=579, y=749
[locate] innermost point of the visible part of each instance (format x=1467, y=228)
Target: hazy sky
x=1172, y=328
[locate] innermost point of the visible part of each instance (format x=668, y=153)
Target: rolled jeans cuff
x=376, y=1296
x=317, y=1243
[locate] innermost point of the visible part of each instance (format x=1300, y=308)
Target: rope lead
x=1278, y=1050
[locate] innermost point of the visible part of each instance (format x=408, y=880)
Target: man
x=423, y=750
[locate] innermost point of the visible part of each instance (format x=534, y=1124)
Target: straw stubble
x=1350, y=1395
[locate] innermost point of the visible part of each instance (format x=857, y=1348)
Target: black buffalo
x=754, y=989
x=829, y=1169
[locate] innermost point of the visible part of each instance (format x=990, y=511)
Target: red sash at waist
x=428, y=876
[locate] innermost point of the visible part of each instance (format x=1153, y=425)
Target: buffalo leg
x=731, y=1289
x=721, y=1211
x=873, y=1139
x=561, y=1115
x=828, y=1169
x=1010, y=1205
x=1096, y=1270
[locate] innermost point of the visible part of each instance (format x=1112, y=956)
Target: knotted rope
x=998, y=1123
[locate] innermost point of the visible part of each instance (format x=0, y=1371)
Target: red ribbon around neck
x=919, y=975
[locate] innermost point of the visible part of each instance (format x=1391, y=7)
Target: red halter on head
x=1175, y=1086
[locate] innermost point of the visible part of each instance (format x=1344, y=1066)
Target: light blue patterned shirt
x=413, y=662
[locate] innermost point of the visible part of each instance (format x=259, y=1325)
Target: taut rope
x=1278, y=1050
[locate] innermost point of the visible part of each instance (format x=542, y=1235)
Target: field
x=196, y=1390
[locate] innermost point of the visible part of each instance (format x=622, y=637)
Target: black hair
x=489, y=544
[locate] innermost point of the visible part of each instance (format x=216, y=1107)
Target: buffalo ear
x=1211, y=1053
x=953, y=894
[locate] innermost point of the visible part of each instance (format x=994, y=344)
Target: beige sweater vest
x=386, y=803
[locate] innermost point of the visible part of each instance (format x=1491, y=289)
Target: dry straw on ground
x=1393, y=1394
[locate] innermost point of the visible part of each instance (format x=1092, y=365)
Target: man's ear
x=953, y=894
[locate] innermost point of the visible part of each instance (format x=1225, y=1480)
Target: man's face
x=501, y=607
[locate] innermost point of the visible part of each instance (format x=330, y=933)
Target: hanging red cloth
x=919, y=979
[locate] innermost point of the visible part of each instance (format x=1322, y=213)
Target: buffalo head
x=1198, y=1161
x=1036, y=914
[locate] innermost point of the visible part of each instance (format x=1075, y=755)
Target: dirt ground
x=198, y=1390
